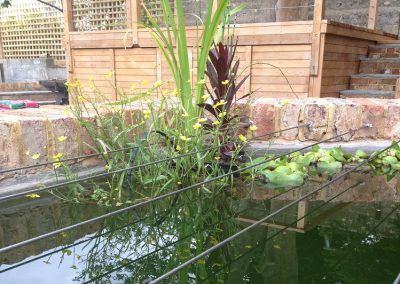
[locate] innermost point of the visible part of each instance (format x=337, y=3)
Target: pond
x=343, y=240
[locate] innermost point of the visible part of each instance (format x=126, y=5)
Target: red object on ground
x=29, y=103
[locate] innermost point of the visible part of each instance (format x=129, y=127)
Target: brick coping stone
x=28, y=131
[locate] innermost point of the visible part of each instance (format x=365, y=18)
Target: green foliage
x=5, y=3
x=292, y=171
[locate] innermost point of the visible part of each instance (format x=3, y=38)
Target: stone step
x=29, y=95
x=384, y=51
x=380, y=66
x=371, y=94
x=380, y=82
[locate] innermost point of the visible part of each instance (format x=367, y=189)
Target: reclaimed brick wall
x=36, y=130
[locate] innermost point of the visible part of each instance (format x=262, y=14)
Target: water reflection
x=340, y=242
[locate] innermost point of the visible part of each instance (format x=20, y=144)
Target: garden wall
x=29, y=131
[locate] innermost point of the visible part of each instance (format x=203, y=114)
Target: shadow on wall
x=32, y=70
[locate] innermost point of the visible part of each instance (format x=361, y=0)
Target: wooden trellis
x=99, y=15
x=31, y=30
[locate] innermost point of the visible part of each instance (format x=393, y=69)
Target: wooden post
x=133, y=18
x=319, y=15
x=372, y=16
x=1, y=46
x=301, y=213
x=68, y=27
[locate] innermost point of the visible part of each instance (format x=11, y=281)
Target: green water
x=338, y=242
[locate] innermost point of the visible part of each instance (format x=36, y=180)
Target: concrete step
x=380, y=66
x=384, y=51
x=371, y=94
x=380, y=82
x=28, y=95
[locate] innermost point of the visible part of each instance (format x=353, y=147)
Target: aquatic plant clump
x=293, y=170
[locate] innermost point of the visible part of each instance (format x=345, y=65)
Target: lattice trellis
x=31, y=30
x=98, y=15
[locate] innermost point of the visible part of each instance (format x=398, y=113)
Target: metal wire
x=238, y=234
x=290, y=225
x=183, y=238
x=103, y=175
x=126, y=149
x=66, y=160
x=160, y=197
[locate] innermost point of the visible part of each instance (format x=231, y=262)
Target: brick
x=289, y=116
x=315, y=112
x=263, y=115
x=373, y=113
x=347, y=117
x=392, y=119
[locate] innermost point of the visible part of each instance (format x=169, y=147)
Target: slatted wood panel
x=341, y=60
x=270, y=60
x=95, y=64
x=30, y=30
x=99, y=15
x=134, y=67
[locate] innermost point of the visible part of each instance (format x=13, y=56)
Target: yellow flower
x=226, y=82
x=109, y=74
x=196, y=126
x=206, y=97
x=222, y=114
x=36, y=156
x=107, y=167
x=178, y=148
x=144, y=82
x=80, y=99
x=201, y=82
x=220, y=103
x=175, y=92
x=184, y=138
x=217, y=158
x=284, y=102
x=133, y=87
x=62, y=138
x=216, y=122
x=157, y=84
x=58, y=156
x=185, y=114
x=253, y=127
x=242, y=138
x=57, y=165
x=146, y=114
x=75, y=84
x=165, y=92
x=33, y=195
x=91, y=78
x=202, y=120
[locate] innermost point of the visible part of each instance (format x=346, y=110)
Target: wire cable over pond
x=259, y=222
x=172, y=193
x=290, y=225
x=130, y=168
x=308, y=125
x=123, y=227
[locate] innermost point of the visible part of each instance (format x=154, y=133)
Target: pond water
x=339, y=241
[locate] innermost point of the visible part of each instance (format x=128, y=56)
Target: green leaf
x=285, y=180
x=389, y=160
x=361, y=154
x=315, y=148
x=330, y=168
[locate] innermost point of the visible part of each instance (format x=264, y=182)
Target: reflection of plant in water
x=197, y=223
